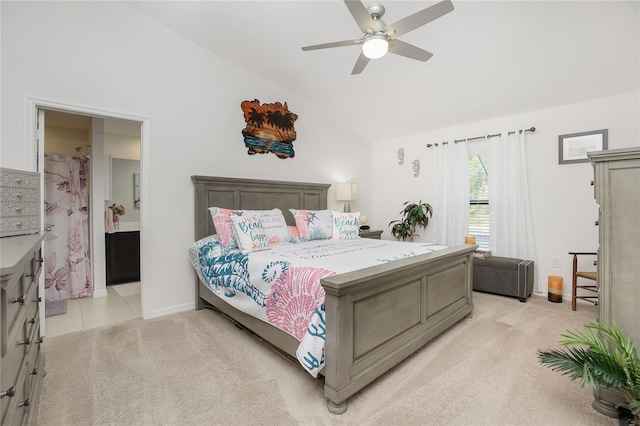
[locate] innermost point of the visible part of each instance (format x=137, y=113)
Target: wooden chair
x=590, y=287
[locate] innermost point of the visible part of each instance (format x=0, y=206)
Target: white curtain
x=511, y=224
x=451, y=209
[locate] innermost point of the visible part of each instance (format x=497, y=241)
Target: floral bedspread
x=281, y=286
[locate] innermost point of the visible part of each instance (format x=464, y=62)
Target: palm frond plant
x=599, y=355
x=413, y=215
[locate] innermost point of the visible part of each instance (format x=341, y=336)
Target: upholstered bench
x=503, y=275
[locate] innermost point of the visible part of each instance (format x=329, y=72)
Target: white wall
x=109, y=57
x=564, y=209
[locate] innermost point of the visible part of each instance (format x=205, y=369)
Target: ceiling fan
x=379, y=37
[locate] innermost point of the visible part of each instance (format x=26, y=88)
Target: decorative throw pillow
x=276, y=228
x=249, y=234
x=313, y=224
x=345, y=225
x=224, y=228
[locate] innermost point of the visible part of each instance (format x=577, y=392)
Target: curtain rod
x=531, y=129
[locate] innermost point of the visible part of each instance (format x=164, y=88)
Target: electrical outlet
x=555, y=262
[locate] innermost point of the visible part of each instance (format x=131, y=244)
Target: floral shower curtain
x=67, y=265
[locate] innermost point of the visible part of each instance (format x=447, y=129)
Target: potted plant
x=411, y=216
x=601, y=355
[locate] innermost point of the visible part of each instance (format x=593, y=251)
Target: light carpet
x=197, y=368
x=128, y=289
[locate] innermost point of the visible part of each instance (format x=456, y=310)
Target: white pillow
x=345, y=225
x=276, y=228
x=224, y=229
x=249, y=234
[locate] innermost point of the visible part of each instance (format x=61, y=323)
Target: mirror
x=125, y=187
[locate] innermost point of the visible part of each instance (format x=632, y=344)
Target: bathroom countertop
x=128, y=227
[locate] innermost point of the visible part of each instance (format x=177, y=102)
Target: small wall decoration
x=573, y=148
x=269, y=128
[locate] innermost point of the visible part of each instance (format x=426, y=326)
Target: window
x=479, y=200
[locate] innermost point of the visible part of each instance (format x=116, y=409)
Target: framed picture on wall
x=573, y=148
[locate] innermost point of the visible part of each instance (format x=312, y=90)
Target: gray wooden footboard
x=376, y=317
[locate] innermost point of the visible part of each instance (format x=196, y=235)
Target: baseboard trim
x=171, y=310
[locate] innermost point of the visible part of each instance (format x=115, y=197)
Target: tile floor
x=92, y=312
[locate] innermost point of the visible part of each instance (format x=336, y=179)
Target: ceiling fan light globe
x=375, y=46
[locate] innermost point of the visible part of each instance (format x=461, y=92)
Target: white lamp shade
x=346, y=191
x=375, y=46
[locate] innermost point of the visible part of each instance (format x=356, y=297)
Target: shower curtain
x=67, y=264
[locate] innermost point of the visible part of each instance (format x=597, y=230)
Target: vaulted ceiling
x=491, y=58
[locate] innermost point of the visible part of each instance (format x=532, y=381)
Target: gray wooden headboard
x=253, y=194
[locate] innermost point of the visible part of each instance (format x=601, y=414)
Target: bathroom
x=109, y=151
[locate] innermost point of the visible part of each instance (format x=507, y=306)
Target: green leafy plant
x=413, y=215
x=599, y=355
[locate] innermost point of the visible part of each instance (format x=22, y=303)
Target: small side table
x=375, y=235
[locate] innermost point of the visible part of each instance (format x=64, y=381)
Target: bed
x=365, y=333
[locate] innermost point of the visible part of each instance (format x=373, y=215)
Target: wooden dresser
x=617, y=192
x=22, y=362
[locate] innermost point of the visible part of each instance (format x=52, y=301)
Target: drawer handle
x=18, y=180
x=18, y=224
x=40, y=340
x=17, y=299
x=38, y=299
x=592, y=183
x=11, y=392
x=18, y=195
x=24, y=403
x=32, y=321
x=18, y=209
x=595, y=263
x=597, y=223
x=26, y=341
x=34, y=372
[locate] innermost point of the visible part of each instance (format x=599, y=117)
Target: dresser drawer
x=19, y=225
x=14, y=365
x=31, y=305
x=13, y=303
x=13, y=407
x=10, y=178
x=18, y=209
x=19, y=196
x=33, y=349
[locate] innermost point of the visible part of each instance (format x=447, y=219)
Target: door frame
x=33, y=146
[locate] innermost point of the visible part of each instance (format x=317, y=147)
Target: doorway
x=107, y=138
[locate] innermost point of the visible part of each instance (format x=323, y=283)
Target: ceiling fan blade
x=360, y=64
x=399, y=47
x=419, y=19
x=334, y=44
x=361, y=16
